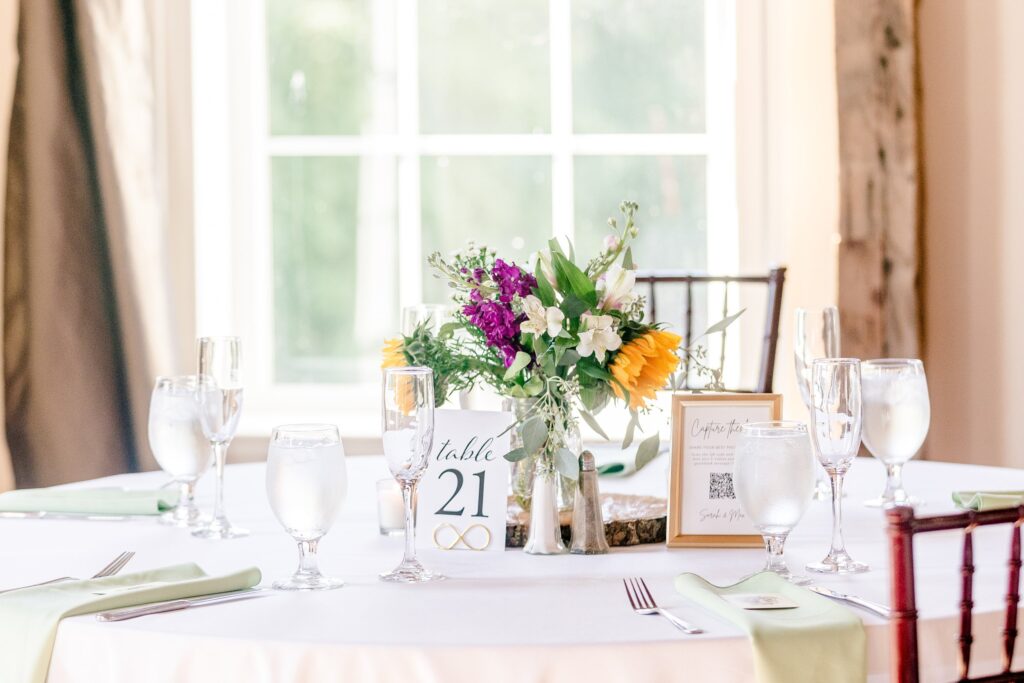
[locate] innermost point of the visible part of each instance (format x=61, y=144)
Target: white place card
x=463, y=496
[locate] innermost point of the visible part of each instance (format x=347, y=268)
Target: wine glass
x=306, y=486
x=219, y=394
x=896, y=418
x=774, y=477
x=408, y=434
x=836, y=429
x=817, y=336
x=178, y=443
x=433, y=315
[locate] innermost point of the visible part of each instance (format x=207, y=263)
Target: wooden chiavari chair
x=774, y=281
x=903, y=526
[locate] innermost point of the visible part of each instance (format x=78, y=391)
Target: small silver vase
x=545, y=535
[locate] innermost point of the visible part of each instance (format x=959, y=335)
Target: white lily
x=598, y=336
x=539, y=319
x=615, y=288
x=547, y=268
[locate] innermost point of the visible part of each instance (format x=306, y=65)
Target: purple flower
x=495, y=317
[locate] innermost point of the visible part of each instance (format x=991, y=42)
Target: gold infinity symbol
x=460, y=536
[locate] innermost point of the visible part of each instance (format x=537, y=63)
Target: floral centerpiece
x=561, y=338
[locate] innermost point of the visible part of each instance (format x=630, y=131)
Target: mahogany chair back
x=903, y=526
x=773, y=281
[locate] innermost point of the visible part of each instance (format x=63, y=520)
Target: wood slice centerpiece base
x=628, y=520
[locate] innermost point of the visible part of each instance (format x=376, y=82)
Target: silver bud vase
x=545, y=535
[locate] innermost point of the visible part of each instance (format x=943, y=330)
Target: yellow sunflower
x=393, y=353
x=643, y=365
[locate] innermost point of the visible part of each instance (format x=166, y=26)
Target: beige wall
x=971, y=54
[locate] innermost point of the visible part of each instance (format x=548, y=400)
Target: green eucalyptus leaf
x=592, y=370
x=592, y=422
x=534, y=387
x=630, y=430
x=573, y=306
x=569, y=357
x=534, y=433
x=722, y=324
x=648, y=450
x=522, y=359
x=448, y=329
x=567, y=464
x=627, y=259
x=540, y=347
x=515, y=455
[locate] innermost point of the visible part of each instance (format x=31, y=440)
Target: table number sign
x=463, y=497
x=702, y=507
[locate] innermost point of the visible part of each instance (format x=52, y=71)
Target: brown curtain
x=86, y=304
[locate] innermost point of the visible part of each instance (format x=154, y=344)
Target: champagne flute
x=306, y=486
x=220, y=404
x=774, y=476
x=836, y=429
x=817, y=336
x=178, y=443
x=897, y=414
x=408, y=434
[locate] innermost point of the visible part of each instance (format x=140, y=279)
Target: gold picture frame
x=758, y=407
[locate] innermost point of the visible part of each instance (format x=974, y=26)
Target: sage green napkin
x=29, y=617
x=818, y=641
x=987, y=500
x=95, y=501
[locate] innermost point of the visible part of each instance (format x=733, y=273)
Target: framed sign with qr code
x=702, y=507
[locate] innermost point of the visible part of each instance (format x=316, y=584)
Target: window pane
x=672, y=217
x=324, y=75
x=501, y=202
x=335, y=292
x=484, y=70
x=638, y=66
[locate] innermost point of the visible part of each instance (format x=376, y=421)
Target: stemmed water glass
x=219, y=394
x=836, y=430
x=432, y=315
x=178, y=443
x=306, y=486
x=774, y=476
x=408, y=435
x=897, y=414
x=817, y=336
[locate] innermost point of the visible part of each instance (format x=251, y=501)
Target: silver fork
x=643, y=603
x=116, y=565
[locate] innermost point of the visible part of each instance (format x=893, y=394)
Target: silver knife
x=873, y=607
x=175, y=605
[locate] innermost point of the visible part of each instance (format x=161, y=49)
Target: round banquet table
x=500, y=616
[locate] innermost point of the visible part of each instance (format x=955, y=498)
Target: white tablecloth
x=501, y=617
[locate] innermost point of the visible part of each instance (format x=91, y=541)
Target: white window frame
x=231, y=148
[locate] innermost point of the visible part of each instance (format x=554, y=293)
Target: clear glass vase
x=523, y=471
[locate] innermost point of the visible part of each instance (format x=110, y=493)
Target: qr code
x=721, y=485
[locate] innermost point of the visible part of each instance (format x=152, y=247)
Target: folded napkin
x=96, y=501
x=29, y=617
x=987, y=500
x=817, y=641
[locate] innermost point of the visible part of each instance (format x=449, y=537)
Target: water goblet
x=433, y=316
x=408, y=435
x=306, y=486
x=176, y=437
x=774, y=477
x=817, y=336
x=836, y=430
x=219, y=395
x=897, y=414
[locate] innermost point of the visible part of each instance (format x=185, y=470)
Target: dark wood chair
x=903, y=526
x=774, y=281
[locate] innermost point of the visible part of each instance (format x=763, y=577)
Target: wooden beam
x=879, y=225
